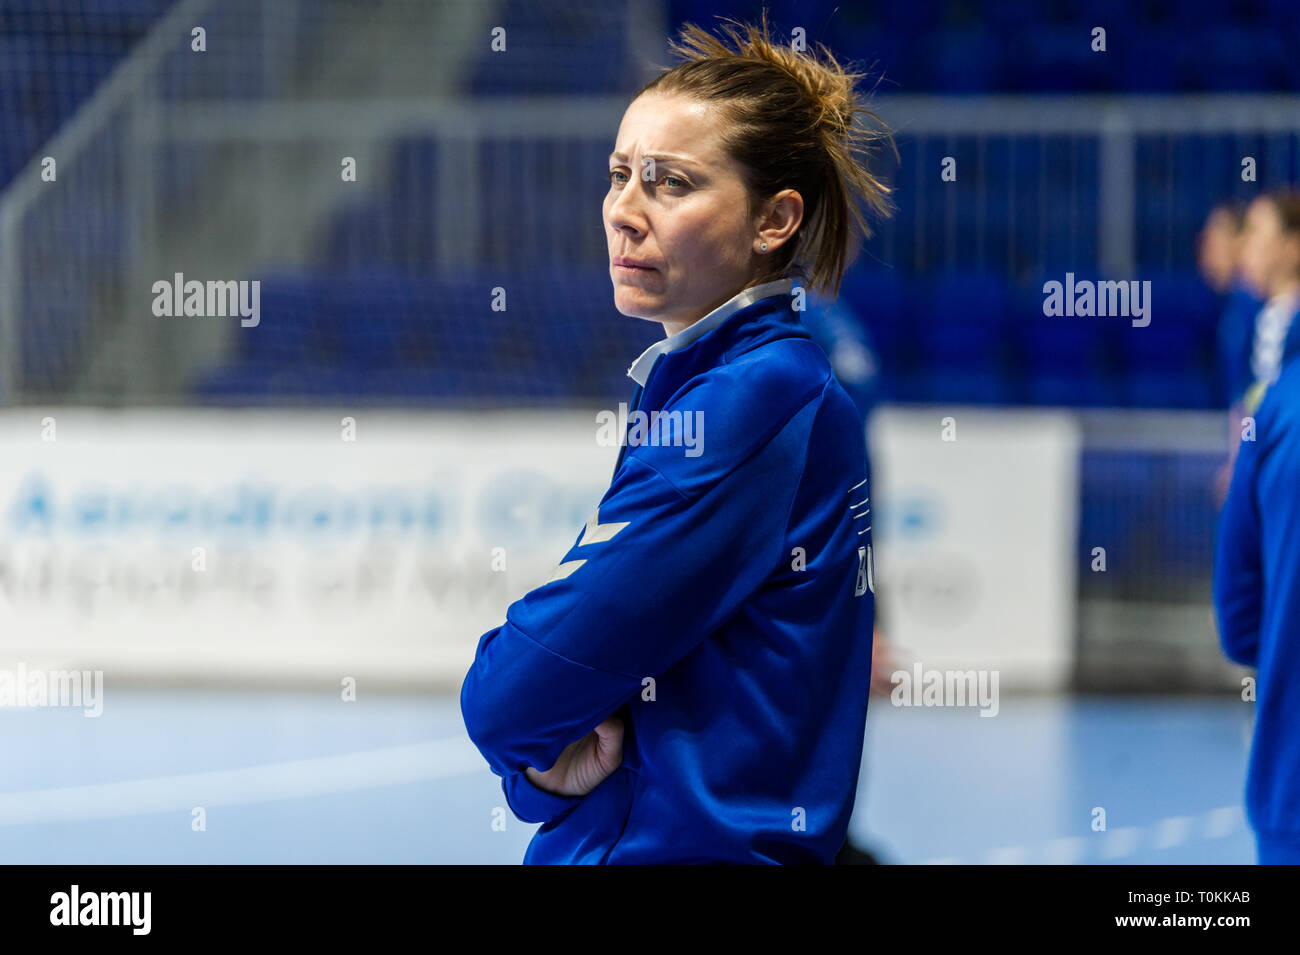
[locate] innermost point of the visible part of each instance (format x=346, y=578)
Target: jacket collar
x=1291, y=343
x=743, y=301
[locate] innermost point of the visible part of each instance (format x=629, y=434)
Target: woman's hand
x=883, y=663
x=584, y=765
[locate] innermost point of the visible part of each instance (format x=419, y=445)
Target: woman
x=1264, y=243
x=1256, y=571
x=1218, y=258
x=1270, y=269
x=691, y=685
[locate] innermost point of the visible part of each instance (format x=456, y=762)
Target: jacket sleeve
x=660, y=564
x=1238, y=569
x=532, y=804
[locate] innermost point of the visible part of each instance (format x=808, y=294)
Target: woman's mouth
x=631, y=265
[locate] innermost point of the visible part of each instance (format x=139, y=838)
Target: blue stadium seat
x=962, y=315
x=235, y=382
x=1064, y=356
x=964, y=60
x=961, y=384
x=1108, y=479
x=546, y=57
x=1170, y=362
x=877, y=296
x=292, y=309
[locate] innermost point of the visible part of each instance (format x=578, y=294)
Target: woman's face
x=1217, y=251
x=1264, y=249
x=683, y=215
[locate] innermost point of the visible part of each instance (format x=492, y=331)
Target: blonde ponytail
x=791, y=120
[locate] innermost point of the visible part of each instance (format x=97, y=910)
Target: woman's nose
x=625, y=212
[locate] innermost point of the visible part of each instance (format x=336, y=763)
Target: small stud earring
x=763, y=247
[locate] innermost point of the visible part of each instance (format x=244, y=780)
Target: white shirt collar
x=641, y=367
x=1286, y=301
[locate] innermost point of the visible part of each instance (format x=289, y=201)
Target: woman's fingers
x=609, y=746
x=586, y=763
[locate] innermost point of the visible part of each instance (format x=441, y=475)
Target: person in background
x=1218, y=259
x=1270, y=267
x=843, y=335
x=1256, y=319
x=1257, y=552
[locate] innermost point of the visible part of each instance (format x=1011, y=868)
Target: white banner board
x=273, y=545
x=976, y=540
x=254, y=543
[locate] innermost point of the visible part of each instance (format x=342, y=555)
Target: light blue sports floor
x=299, y=777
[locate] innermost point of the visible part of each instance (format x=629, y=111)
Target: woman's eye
x=618, y=178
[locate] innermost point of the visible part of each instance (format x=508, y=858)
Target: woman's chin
x=633, y=303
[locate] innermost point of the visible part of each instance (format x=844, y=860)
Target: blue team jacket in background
x=843, y=335
x=738, y=580
x=1257, y=601
x=849, y=347
x=1235, y=338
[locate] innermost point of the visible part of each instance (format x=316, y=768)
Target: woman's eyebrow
x=658, y=157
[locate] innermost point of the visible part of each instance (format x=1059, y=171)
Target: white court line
x=369, y=769
x=1065, y=851
x=1007, y=855
x=1223, y=822
x=1121, y=843
x=1172, y=832
x=1168, y=833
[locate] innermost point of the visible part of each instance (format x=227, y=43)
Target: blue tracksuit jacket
x=1235, y=338
x=720, y=602
x=1257, y=600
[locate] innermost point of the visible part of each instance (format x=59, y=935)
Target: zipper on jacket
x=636, y=406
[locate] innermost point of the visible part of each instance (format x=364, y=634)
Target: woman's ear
x=1292, y=248
x=782, y=217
